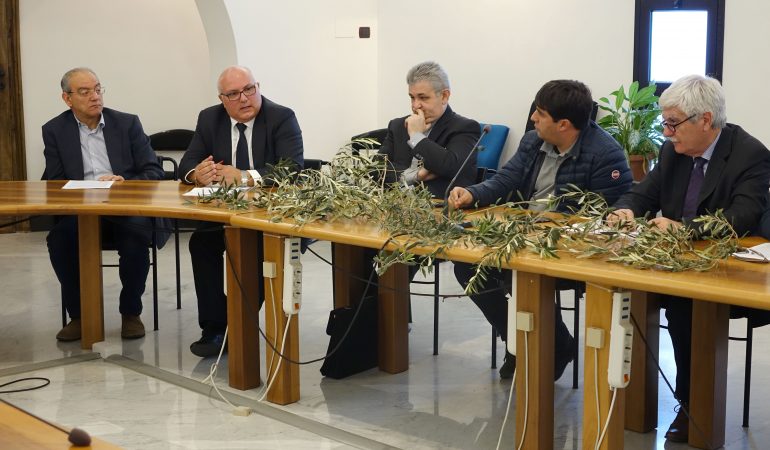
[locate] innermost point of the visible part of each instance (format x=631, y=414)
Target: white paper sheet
x=208, y=190
x=757, y=253
x=87, y=184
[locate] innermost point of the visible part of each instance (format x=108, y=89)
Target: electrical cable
x=347, y=331
x=507, y=410
x=596, y=393
x=526, y=388
x=213, y=371
x=280, y=360
x=16, y=222
x=700, y=432
x=45, y=381
x=609, y=416
x=351, y=275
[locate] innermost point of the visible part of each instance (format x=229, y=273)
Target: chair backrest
x=315, y=164
x=492, y=144
x=172, y=174
x=483, y=173
x=531, y=125
x=176, y=140
x=171, y=140
x=377, y=135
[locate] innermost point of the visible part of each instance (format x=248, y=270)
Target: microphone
x=449, y=187
x=79, y=438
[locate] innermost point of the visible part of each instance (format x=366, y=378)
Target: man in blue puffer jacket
x=566, y=147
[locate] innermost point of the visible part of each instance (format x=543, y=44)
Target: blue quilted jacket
x=596, y=163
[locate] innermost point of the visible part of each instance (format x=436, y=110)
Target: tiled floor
x=146, y=394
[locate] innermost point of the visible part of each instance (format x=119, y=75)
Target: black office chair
x=172, y=140
x=749, y=340
x=376, y=135
x=107, y=245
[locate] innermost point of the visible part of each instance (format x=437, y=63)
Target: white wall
x=152, y=56
x=160, y=59
x=498, y=52
x=330, y=82
x=746, y=70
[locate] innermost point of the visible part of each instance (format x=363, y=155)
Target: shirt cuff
x=186, y=177
x=409, y=176
x=415, y=139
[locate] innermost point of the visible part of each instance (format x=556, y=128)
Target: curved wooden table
x=731, y=283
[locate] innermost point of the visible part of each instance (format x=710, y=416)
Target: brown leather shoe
x=71, y=332
x=680, y=427
x=133, y=328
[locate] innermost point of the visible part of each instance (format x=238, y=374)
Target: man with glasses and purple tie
x=235, y=141
x=706, y=164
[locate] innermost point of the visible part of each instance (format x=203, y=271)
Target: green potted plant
x=633, y=119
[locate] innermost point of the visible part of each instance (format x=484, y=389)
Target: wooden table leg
x=91, y=296
x=393, y=318
x=393, y=301
x=285, y=388
x=535, y=294
x=242, y=271
x=708, y=373
x=642, y=391
x=349, y=262
x=599, y=315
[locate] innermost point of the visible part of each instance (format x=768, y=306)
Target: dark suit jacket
x=276, y=135
x=128, y=148
x=737, y=180
x=443, y=151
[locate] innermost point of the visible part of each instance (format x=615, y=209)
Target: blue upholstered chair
x=492, y=146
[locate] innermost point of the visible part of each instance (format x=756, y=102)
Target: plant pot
x=640, y=165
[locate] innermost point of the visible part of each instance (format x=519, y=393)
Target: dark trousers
x=130, y=236
x=207, y=248
x=493, y=304
x=679, y=317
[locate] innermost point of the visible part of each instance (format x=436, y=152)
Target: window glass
x=678, y=44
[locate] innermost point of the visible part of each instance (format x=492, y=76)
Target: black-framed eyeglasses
x=86, y=92
x=672, y=126
x=248, y=91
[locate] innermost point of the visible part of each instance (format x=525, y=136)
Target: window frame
x=643, y=29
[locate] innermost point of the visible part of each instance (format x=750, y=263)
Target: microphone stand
x=484, y=132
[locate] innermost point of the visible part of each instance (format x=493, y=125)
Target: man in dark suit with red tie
x=234, y=141
x=706, y=164
x=90, y=142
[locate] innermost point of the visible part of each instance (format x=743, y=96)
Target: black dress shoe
x=508, y=367
x=564, y=354
x=680, y=427
x=208, y=345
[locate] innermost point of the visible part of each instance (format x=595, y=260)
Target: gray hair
x=65, y=80
x=696, y=94
x=431, y=72
x=230, y=69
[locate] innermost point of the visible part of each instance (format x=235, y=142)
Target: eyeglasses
x=672, y=126
x=86, y=92
x=248, y=91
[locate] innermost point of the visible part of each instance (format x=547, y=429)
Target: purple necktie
x=690, y=208
x=242, y=149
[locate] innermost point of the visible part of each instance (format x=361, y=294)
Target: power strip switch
x=621, y=338
x=292, y=276
x=510, y=344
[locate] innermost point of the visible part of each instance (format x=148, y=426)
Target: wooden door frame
x=13, y=159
